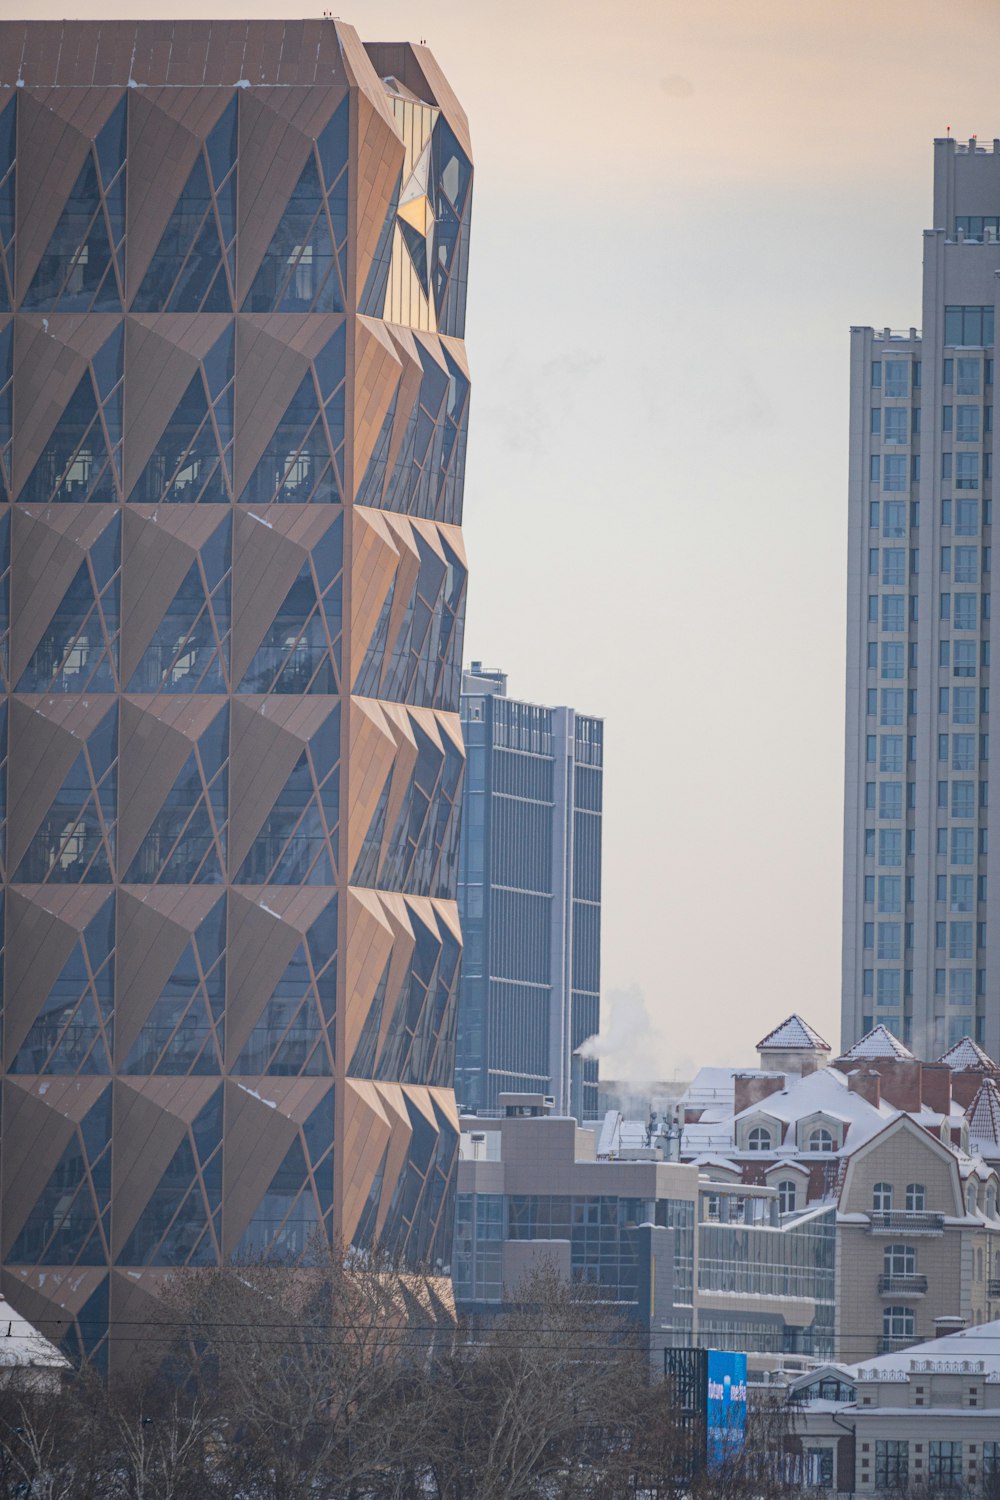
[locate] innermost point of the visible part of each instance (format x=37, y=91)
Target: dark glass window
x=81, y=460
x=192, y=460
x=189, y=652
x=8, y=148
x=73, y=1031
x=305, y=266
x=300, y=461
x=81, y=268
x=78, y=651
x=180, y=1222
x=69, y=1222
x=968, y=325
x=75, y=839
x=187, y=838
x=193, y=269
x=183, y=1032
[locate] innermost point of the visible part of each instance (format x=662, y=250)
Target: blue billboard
x=727, y=1405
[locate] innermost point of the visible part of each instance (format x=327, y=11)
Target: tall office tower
x=232, y=430
x=529, y=894
x=921, y=906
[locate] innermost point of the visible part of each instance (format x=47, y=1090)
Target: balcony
x=898, y=1221
x=902, y=1286
x=993, y=1286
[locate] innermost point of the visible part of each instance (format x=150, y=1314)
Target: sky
x=681, y=207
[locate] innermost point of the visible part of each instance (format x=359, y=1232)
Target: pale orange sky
x=681, y=207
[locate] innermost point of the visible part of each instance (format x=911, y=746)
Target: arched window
x=899, y=1260
x=970, y=1197
x=759, y=1139
x=787, y=1196
x=898, y=1324
x=882, y=1197
x=991, y=1202
x=979, y=1265
x=916, y=1197
x=820, y=1140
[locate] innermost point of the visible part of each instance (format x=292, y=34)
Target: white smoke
x=630, y=1044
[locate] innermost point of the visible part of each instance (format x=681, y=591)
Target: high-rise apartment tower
x=921, y=949
x=233, y=398
x=530, y=898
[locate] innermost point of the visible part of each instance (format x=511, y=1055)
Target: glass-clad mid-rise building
x=233, y=405
x=921, y=941
x=530, y=898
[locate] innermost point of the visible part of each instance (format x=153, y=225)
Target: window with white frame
x=882, y=1197
x=787, y=1195
x=898, y=1323
x=916, y=1197
x=759, y=1139
x=899, y=1260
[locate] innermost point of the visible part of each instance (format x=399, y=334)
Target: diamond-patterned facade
x=233, y=413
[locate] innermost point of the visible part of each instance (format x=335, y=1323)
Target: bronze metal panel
x=153, y=753
x=262, y=757
x=146, y=1136
x=34, y=1137
x=269, y=375
x=48, y=544
x=50, y=354
x=152, y=934
x=158, y=549
x=257, y=1138
x=265, y=565
x=260, y=947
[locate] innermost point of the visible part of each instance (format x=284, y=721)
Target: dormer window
x=970, y=1197
x=916, y=1197
x=882, y=1197
x=787, y=1196
x=759, y=1139
x=820, y=1140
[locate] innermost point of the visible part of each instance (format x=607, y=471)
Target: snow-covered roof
x=793, y=1033
x=983, y=1116
x=618, y=1134
x=968, y=1057
x=879, y=1042
x=22, y=1345
x=824, y=1093
x=980, y=1343
x=709, y=1086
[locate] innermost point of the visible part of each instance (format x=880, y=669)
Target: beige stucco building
x=926, y=1421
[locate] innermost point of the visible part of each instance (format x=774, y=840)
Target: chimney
x=936, y=1087
x=751, y=1088
x=964, y=1087
x=900, y=1078
x=866, y=1082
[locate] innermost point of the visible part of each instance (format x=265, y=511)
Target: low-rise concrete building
x=690, y=1260
x=925, y=1421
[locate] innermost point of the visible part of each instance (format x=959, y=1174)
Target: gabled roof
x=879, y=1042
x=983, y=1114
x=968, y=1057
x=980, y=1342
x=794, y=1032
